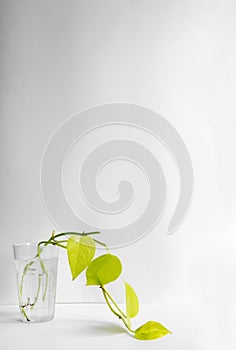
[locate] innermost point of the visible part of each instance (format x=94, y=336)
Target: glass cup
x=36, y=275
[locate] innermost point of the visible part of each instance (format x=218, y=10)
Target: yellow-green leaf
x=80, y=252
x=151, y=330
x=132, y=303
x=104, y=269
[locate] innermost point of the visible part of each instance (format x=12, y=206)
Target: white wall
x=175, y=57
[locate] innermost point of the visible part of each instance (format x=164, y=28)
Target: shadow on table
x=6, y=317
x=99, y=328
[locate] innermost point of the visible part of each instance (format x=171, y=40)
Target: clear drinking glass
x=36, y=276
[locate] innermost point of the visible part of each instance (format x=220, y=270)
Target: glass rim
x=24, y=244
x=33, y=244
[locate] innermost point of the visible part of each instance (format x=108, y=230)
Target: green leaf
x=132, y=303
x=80, y=252
x=104, y=269
x=151, y=330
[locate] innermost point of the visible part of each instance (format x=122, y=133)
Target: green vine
x=100, y=271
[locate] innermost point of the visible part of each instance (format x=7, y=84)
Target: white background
x=175, y=57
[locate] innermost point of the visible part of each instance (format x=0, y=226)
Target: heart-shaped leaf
x=80, y=252
x=104, y=269
x=132, y=303
x=151, y=330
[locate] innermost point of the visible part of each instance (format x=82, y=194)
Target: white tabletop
x=195, y=326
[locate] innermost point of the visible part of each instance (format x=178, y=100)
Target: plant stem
x=52, y=239
x=120, y=315
x=26, y=268
x=75, y=234
x=24, y=313
x=102, y=244
x=37, y=294
x=44, y=270
x=114, y=303
x=52, y=242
